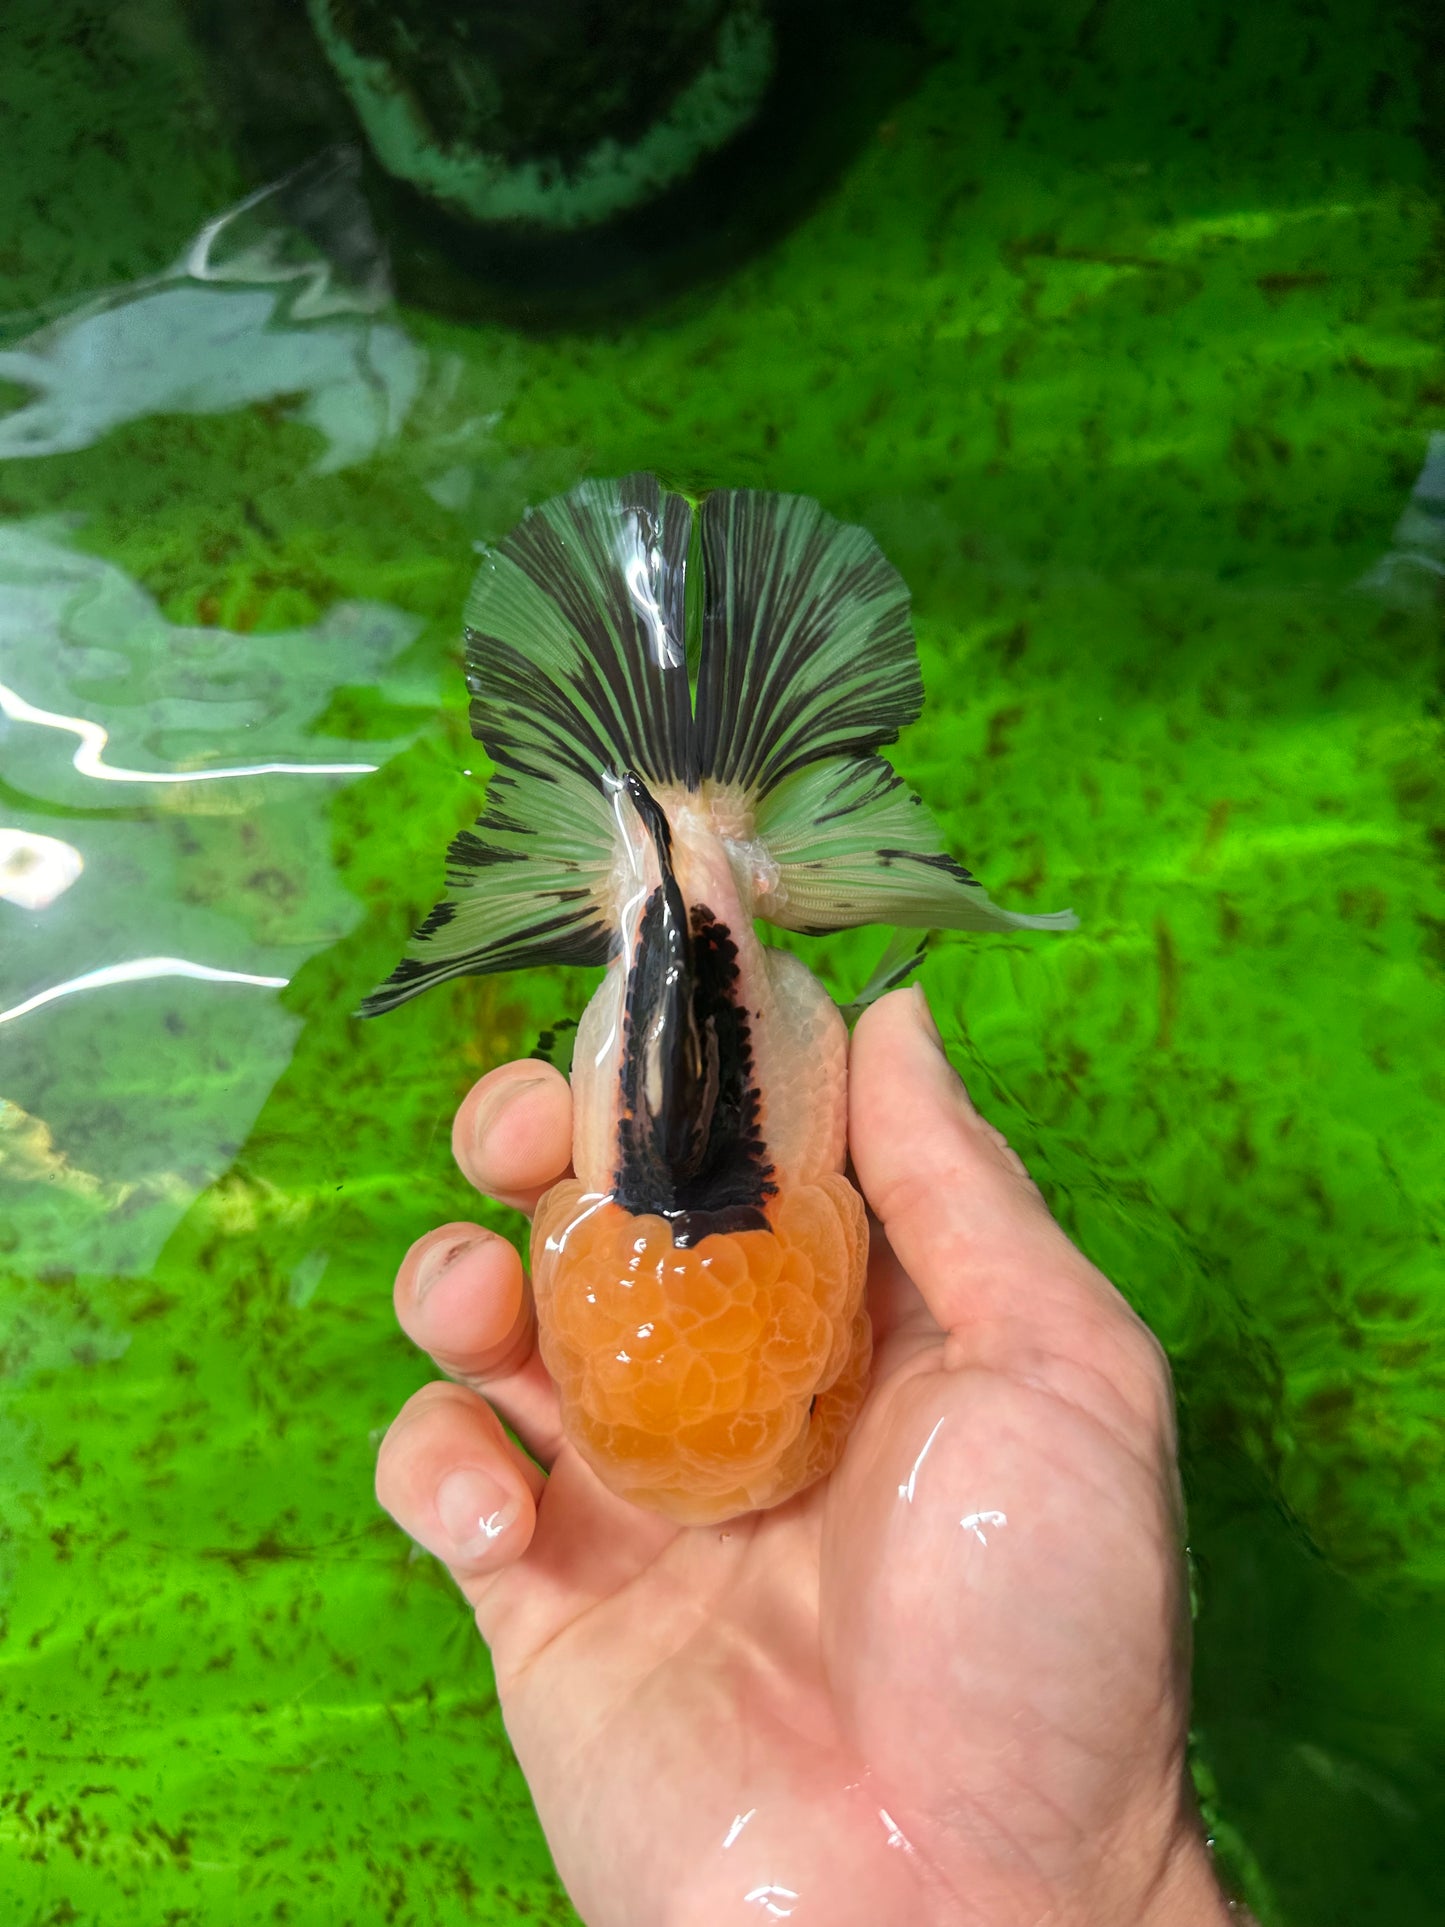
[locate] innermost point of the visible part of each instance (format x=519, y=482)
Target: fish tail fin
x=577, y=664
x=577, y=667
x=807, y=646
x=808, y=666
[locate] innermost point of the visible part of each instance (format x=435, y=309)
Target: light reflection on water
x=182, y=760
x=140, y=970
x=249, y=313
x=89, y=758
x=36, y=869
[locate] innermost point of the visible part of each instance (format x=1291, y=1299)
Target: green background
x=1122, y=333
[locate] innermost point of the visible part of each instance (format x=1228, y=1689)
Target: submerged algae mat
x=1122, y=334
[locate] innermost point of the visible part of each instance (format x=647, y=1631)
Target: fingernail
x=493, y=1105
x=438, y=1261
x=475, y=1509
x=925, y=1017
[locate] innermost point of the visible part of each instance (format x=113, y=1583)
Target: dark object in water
x=544, y=163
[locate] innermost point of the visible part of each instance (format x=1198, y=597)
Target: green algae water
x=1120, y=327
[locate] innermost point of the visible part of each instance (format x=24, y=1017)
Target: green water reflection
x=1122, y=334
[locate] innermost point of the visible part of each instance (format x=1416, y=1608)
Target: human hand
x=949, y=1684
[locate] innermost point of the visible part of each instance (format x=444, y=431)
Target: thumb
x=960, y=1211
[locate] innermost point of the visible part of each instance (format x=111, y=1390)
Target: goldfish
x=684, y=707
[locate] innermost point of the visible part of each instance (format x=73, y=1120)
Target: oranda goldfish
x=699, y=1281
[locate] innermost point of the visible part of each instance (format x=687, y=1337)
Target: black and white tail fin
x=577, y=669
x=577, y=666
x=807, y=648
x=808, y=666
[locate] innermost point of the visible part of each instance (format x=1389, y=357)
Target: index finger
x=513, y=1133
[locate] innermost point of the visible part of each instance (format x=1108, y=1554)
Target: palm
x=869, y=1704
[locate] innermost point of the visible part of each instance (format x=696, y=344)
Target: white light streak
x=906, y=1491
x=94, y=737
x=896, y=1836
x=768, y=1897
x=666, y=653
x=975, y=1522
x=137, y=972
x=737, y=1826
x=557, y=1240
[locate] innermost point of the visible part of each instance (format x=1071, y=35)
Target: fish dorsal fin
x=807, y=649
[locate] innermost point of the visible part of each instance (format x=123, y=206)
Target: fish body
x=700, y=1288
x=699, y=1280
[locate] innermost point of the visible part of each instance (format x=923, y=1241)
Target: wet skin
x=949, y=1684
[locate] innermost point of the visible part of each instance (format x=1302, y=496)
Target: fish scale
x=714, y=1379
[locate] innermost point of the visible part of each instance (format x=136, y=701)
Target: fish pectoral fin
x=904, y=952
